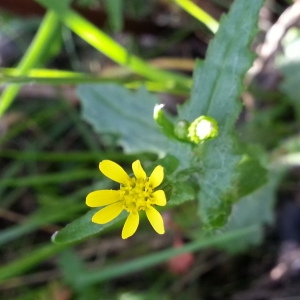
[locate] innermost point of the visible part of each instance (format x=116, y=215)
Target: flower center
x=136, y=194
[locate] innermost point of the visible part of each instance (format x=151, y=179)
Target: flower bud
x=181, y=130
x=202, y=128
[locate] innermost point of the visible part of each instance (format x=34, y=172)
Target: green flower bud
x=202, y=128
x=181, y=130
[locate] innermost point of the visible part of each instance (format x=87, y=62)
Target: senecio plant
x=139, y=192
x=201, y=156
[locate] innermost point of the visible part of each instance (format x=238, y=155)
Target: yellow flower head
x=135, y=194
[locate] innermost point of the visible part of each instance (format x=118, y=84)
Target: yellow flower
x=135, y=194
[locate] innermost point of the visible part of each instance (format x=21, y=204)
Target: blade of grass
x=86, y=135
x=85, y=279
x=57, y=77
x=142, y=263
x=46, y=215
x=29, y=260
x=72, y=156
x=102, y=42
x=114, y=10
x=58, y=177
x=11, y=197
x=71, y=49
x=36, y=221
x=195, y=11
x=10, y=171
x=39, y=46
x=12, y=75
x=35, y=117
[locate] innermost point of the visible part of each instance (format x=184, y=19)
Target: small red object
x=182, y=263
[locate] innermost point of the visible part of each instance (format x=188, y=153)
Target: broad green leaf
x=113, y=109
x=183, y=186
x=218, y=191
x=219, y=162
x=82, y=228
x=182, y=192
x=218, y=83
x=250, y=176
x=169, y=162
x=255, y=209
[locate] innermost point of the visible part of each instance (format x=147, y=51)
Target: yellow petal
x=113, y=171
x=155, y=220
x=130, y=225
x=156, y=177
x=138, y=170
x=102, y=198
x=107, y=213
x=159, y=198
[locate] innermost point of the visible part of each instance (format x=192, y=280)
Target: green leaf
x=219, y=160
x=218, y=83
x=182, y=192
x=254, y=209
x=82, y=228
x=113, y=109
x=218, y=191
x=169, y=162
x=183, y=186
x=251, y=175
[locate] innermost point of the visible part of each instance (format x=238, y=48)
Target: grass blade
x=195, y=11
x=39, y=46
x=102, y=42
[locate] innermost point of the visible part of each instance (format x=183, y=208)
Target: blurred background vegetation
x=50, y=155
